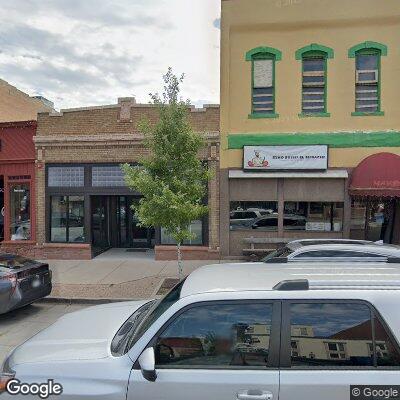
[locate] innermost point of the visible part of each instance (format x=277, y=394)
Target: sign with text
x=285, y=157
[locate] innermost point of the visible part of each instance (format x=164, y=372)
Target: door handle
x=254, y=395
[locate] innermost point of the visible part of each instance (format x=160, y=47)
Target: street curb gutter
x=77, y=300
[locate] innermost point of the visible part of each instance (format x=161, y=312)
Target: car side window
x=217, y=335
x=337, y=253
x=331, y=335
x=387, y=351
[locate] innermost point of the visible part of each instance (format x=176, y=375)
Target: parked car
x=270, y=222
x=22, y=281
x=244, y=218
x=229, y=331
x=334, y=251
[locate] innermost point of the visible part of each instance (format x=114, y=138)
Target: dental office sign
x=285, y=158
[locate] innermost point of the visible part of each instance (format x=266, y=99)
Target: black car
x=22, y=281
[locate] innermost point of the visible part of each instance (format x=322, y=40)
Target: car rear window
x=15, y=262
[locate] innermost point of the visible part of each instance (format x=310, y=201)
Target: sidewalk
x=116, y=274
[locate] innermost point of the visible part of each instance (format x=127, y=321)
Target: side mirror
x=148, y=364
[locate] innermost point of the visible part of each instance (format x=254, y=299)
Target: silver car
x=315, y=250
x=229, y=331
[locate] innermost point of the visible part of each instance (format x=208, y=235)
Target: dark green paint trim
x=263, y=115
x=264, y=50
x=314, y=47
x=368, y=114
x=368, y=45
x=311, y=115
x=333, y=140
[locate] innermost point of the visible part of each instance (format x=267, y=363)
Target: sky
x=79, y=53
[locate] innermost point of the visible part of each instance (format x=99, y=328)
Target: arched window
x=368, y=77
x=263, y=61
x=314, y=79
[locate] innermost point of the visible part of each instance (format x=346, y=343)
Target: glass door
x=140, y=237
x=100, y=224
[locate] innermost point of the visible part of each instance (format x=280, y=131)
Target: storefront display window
x=67, y=219
x=260, y=215
x=20, y=213
x=313, y=216
x=372, y=219
x=196, y=228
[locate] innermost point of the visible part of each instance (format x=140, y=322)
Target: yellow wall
x=288, y=25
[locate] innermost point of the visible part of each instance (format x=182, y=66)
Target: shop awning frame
x=329, y=174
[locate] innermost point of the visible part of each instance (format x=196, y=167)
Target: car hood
x=80, y=335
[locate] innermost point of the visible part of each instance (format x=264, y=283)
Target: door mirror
x=148, y=364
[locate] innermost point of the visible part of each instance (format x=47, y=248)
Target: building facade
x=310, y=132
x=83, y=206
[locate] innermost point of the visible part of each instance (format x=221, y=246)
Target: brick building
x=82, y=203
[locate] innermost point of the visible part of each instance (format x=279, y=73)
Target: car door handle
x=254, y=395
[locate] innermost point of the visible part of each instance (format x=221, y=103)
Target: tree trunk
x=180, y=265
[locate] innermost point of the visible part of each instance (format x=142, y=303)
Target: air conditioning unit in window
x=367, y=76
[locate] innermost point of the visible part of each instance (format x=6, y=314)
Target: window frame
x=315, y=54
x=275, y=338
x=378, y=53
x=286, y=337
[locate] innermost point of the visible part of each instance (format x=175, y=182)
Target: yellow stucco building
x=310, y=127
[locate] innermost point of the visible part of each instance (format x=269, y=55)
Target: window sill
x=263, y=115
x=368, y=114
x=316, y=115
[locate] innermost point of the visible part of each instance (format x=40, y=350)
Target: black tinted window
x=217, y=335
x=331, y=335
x=387, y=351
x=266, y=222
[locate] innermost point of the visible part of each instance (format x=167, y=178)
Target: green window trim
x=263, y=115
x=333, y=140
x=315, y=115
x=314, y=47
x=263, y=50
x=368, y=45
x=263, y=53
x=368, y=114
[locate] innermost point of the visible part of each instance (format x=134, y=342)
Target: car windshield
x=138, y=323
x=281, y=253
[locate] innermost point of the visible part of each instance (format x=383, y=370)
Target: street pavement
x=18, y=326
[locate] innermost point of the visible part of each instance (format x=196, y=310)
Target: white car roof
x=385, y=250
x=261, y=276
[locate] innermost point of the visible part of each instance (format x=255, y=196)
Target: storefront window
x=372, y=220
x=20, y=213
x=313, y=216
x=67, y=219
x=260, y=215
x=66, y=176
x=196, y=228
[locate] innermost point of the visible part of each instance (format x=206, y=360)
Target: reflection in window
x=196, y=228
x=387, y=351
x=67, y=219
x=20, y=212
x=261, y=215
x=217, y=335
x=330, y=334
x=313, y=216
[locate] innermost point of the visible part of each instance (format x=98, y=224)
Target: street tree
x=172, y=179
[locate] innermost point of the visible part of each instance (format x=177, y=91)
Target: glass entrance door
x=100, y=224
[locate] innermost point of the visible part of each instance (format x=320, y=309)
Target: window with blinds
x=263, y=91
x=367, y=81
x=314, y=84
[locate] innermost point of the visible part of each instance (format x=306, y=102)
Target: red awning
x=378, y=176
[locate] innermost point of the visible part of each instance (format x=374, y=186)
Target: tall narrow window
x=314, y=83
x=263, y=93
x=368, y=81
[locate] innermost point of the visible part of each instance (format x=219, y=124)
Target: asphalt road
x=19, y=325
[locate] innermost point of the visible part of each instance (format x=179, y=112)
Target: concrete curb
x=77, y=300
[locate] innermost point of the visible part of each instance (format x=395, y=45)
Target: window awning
x=377, y=176
x=330, y=173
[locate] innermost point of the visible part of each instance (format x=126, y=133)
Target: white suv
x=233, y=331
